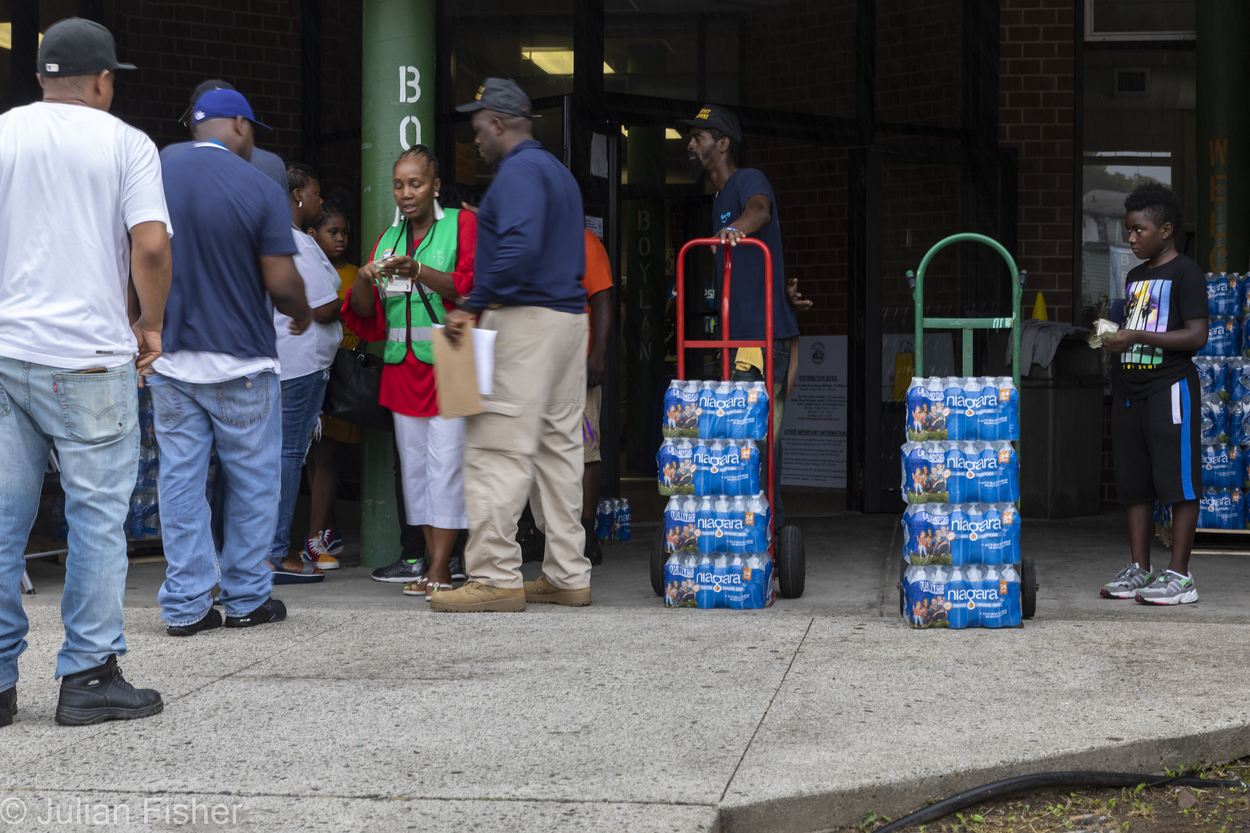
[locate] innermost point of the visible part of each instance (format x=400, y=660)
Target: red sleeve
x=466, y=252
x=370, y=329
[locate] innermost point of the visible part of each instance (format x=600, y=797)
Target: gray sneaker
x=1168, y=589
x=1127, y=582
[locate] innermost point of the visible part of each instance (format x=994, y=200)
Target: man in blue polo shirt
x=744, y=206
x=217, y=383
x=531, y=252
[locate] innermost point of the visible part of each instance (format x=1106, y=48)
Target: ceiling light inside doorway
x=669, y=133
x=555, y=60
x=6, y=36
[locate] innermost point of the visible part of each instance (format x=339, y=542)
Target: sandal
x=417, y=588
x=432, y=587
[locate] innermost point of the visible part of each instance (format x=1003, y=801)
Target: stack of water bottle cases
x=143, y=521
x=961, y=480
x=718, y=524
x=614, y=520
x=1224, y=379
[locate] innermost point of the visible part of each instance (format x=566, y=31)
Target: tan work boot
x=543, y=591
x=476, y=597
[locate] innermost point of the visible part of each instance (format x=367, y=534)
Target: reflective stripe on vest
x=400, y=334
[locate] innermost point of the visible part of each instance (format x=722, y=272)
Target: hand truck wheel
x=658, y=557
x=1028, y=587
x=791, y=563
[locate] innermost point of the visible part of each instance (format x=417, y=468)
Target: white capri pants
x=431, y=452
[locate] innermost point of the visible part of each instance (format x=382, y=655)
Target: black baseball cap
x=200, y=89
x=714, y=117
x=502, y=95
x=76, y=46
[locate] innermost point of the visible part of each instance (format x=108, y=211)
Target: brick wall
x=253, y=44
x=1037, y=117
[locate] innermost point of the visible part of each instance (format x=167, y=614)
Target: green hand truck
x=915, y=280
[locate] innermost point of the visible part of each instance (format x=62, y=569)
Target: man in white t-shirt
x=84, y=274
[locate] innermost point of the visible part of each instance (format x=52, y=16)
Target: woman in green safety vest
x=420, y=268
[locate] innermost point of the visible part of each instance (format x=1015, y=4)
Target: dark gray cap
x=714, y=117
x=502, y=95
x=75, y=46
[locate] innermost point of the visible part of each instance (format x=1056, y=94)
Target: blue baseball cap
x=224, y=104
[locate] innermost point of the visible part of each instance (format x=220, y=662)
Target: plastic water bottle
x=720, y=581
x=603, y=522
x=989, y=477
x=705, y=592
x=627, y=520
x=757, y=403
x=1013, y=614
x=957, y=596
x=974, y=577
x=705, y=526
x=738, y=418
x=738, y=593
x=993, y=607
x=756, y=572
x=954, y=409
x=991, y=417
x=723, y=511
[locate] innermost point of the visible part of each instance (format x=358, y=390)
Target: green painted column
x=397, y=111
x=1223, y=136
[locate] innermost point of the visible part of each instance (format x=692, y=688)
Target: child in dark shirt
x=1155, y=421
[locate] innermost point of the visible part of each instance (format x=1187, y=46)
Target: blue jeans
x=242, y=417
x=301, y=404
x=781, y=370
x=93, y=420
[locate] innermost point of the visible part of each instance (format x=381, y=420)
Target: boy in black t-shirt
x=1154, y=413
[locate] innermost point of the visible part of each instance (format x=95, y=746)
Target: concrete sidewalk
x=365, y=711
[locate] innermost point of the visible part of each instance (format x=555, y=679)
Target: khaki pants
x=527, y=443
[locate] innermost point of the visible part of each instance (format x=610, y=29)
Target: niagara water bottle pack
x=614, y=520
x=963, y=408
x=961, y=481
x=718, y=550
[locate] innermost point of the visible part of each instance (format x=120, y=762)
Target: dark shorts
x=1156, y=445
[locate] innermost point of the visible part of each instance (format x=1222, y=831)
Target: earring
x=436, y=193
x=300, y=205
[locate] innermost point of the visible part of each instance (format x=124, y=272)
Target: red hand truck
x=786, y=546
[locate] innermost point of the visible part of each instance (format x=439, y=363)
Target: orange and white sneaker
x=315, y=553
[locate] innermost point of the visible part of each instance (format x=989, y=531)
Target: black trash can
x=1061, y=416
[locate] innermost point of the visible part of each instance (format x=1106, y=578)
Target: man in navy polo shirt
x=217, y=383
x=745, y=207
x=531, y=253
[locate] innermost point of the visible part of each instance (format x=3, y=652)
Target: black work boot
x=593, y=550
x=8, y=705
x=211, y=621
x=272, y=610
x=102, y=694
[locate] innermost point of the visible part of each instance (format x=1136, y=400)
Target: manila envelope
x=455, y=375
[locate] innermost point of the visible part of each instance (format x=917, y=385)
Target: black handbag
x=352, y=392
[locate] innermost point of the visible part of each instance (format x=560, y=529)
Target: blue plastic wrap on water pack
x=731, y=581
x=726, y=467
x=953, y=472
x=1238, y=378
x=1222, y=336
x=1221, y=465
x=954, y=408
x=681, y=409
x=1221, y=508
x=961, y=534
x=732, y=524
x=675, y=467
x=958, y=597
x=1214, y=412
x=1214, y=376
x=1223, y=293
x=1239, y=422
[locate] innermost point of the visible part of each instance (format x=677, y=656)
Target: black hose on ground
x=1045, y=780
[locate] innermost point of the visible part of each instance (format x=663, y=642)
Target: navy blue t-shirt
x=746, y=283
x=228, y=214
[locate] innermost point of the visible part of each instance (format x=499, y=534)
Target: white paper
x=483, y=359
x=813, y=429
x=594, y=225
